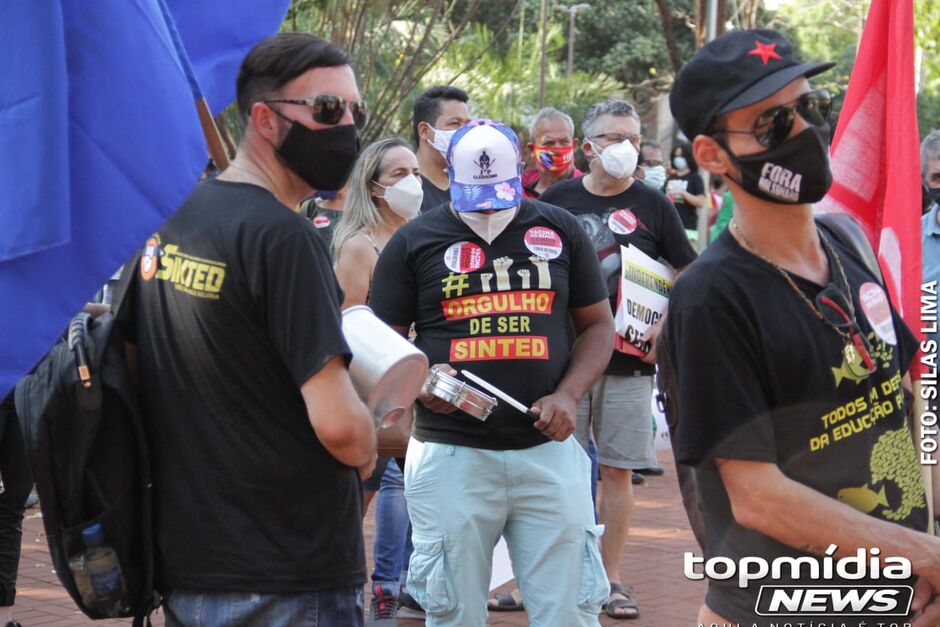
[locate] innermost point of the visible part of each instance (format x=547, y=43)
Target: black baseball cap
x=731, y=72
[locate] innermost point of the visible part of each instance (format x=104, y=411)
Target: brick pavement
x=652, y=564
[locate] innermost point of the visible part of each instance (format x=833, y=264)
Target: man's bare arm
x=594, y=330
x=340, y=419
x=594, y=326
x=764, y=499
x=652, y=334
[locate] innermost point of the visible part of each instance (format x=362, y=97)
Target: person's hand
x=925, y=605
x=96, y=309
x=651, y=335
x=435, y=404
x=557, y=414
x=366, y=470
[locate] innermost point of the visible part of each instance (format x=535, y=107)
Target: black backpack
x=86, y=446
x=846, y=231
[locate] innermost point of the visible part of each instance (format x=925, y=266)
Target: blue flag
x=99, y=144
x=218, y=34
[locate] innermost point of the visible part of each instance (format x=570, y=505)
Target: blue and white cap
x=484, y=165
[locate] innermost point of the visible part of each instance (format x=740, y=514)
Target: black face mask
x=322, y=158
x=794, y=173
x=934, y=193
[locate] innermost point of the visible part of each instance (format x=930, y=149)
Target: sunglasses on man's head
x=773, y=126
x=330, y=109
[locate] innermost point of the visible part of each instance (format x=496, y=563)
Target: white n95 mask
x=488, y=226
x=405, y=196
x=441, y=140
x=618, y=160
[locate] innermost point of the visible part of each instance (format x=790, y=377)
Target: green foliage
x=830, y=30
x=506, y=86
x=625, y=39
x=826, y=30
x=491, y=49
x=928, y=112
x=393, y=43
x=927, y=34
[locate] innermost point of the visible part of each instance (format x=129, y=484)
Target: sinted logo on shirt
x=150, y=258
x=187, y=273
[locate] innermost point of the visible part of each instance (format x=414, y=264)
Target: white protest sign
x=645, y=285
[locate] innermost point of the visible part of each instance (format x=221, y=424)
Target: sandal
x=621, y=604
x=506, y=602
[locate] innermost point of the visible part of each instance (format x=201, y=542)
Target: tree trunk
x=666, y=18
x=699, y=18
x=722, y=17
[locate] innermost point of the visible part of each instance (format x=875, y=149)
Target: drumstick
x=489, y=387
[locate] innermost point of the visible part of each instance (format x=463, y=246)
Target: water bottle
x=82, y=582
x=104, y=573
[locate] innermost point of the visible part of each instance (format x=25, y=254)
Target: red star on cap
x=765, y=52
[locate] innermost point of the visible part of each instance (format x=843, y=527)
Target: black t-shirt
x=233, y=307
x=693, y=184
x=499, y=310
x=761, y=378
x=433, y=195
x=641, y=216
x=324, y=220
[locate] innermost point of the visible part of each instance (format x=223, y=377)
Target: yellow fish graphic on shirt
x=863, y=498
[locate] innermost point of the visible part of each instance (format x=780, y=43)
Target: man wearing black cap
x=789, y=358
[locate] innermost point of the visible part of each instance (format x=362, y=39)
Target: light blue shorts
x=461, y=500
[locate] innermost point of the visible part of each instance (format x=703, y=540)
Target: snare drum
x=459, y=394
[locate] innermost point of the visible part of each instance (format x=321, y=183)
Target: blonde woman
x=383, y=193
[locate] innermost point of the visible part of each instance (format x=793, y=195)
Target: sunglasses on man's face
x=773, y=126
x=330, y=109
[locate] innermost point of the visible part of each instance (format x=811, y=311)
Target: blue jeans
x=343, y=608
x=392, y=548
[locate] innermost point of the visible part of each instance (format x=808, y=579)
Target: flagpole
x=213, y=138
x=209, y=130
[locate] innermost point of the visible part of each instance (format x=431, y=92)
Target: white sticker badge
x=464, y=257
x=622, y=222
x=543, y=242
x=875, y=305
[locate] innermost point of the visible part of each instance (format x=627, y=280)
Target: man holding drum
x=490, y=282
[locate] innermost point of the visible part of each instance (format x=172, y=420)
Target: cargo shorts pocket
x=594, y=588
x=429, y=580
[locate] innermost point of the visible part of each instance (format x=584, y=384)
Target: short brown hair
x=278, y=60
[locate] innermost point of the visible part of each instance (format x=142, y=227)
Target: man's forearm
x=801, y=517
x=589, y=359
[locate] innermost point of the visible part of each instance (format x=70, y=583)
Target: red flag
x=875, y=154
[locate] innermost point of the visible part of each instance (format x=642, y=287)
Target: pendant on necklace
x=855, y=362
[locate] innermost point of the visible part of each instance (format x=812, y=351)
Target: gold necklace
x=854, y=350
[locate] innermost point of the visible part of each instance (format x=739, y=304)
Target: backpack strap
x=126, y=282
x=849, y=233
